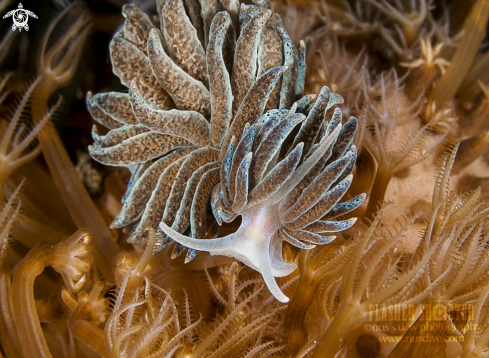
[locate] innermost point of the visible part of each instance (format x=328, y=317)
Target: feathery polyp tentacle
x=9, y=161
x=16, y=116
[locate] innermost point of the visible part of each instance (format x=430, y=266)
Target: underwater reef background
x=409, y=279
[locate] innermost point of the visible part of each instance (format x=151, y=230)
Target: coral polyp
x=241, y=140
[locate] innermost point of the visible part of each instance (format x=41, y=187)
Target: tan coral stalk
x=76, y=198
x=89, y=334
x=8, y=332
x=381, y=182
x=379, y=140
x=56, y=66
x=41, y=199
x=479, y=116
x=390, y=163
x=312, y=277
x=474, y=26
x=89, y=312
x=470, y=150
x=71, y=259
x=470, y=87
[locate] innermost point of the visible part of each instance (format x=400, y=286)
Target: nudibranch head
x=215, y=121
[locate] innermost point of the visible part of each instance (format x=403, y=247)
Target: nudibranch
x=215, y=126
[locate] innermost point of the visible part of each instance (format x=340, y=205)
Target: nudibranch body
x=215, y=126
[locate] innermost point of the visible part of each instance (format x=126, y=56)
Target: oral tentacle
x=219, y=244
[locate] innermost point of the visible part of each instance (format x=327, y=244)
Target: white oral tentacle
x=221, y=243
